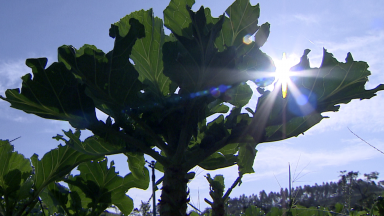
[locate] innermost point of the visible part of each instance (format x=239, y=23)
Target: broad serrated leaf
x=246, y=157
x=14, y=172
x=104, y=187
x=111, y=80
x=242, y=20
x=177, y=19
x=194, y=63
x=55, y=164
x=93, y=145
x=53, y=93
x=251, y=61
x=136, y=164
x=78, y=201
x=147, y=53
x=218, y=160
x=240, y=95
x=55, y=197
x=312, y=92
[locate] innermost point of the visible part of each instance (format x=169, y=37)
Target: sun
x=283, y=74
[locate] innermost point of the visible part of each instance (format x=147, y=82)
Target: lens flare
x=247, y=39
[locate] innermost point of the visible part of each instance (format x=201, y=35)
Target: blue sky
x=36, y=29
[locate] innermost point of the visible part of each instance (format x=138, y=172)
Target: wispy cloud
x=307, y=18
x=365, y=115
x=11, y=73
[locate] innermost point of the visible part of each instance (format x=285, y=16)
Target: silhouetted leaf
x=53, y=93
x=104, y=187
x=14, y=173
x=92, y=145
x=147, y=53
x=111, y=80
x=56, y=164
x=312, y=92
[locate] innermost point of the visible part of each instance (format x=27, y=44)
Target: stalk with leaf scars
x=217, y=193
x=177, y=81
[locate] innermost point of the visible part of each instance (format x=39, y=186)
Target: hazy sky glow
x=35, y=29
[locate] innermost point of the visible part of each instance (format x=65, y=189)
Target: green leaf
x=246, y=157
x=56, y=164
x=193, y=213
x=254, y=211
x=14, y=173
x=216, y=106
x=147, y=53
x=242, y=20
x=112, y=81
x=231, y=148
x=339, y=207
x=294, y=127
x=93, y=145
x=262, y=35
x=218, y=160
x=78, y=201
x=55, y=196
x=104, y=187
x=53, y=93
x=240, y=95
x=136, y=164
x=177, y=19
x=194, y=63
x=315, y=90
x=220, y=181
x=212, y=133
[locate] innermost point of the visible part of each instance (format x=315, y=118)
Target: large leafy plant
x=160, y=90
x=25, y=187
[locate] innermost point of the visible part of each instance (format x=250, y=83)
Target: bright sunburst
x=282, y=72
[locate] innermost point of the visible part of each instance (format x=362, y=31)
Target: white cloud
x=307, y=18
x=11, y=73
x=365, y=115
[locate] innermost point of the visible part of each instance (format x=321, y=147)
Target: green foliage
x=90, y=193
x=303, y=211
x=322, y=88
x=159, y=91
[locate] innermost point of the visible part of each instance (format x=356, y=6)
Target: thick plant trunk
x=174, y=192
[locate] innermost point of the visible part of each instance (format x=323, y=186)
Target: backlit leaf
x=112, y=81
x=312, y=92
x=15, y=170
x=92, y=145
x=53, y=93
x=56, y=164
x=104, y=187
x=177, y=19
x=147, y=53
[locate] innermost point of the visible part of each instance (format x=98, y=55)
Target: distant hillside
x=350, y=191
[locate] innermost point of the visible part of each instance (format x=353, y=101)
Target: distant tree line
x=359, y=194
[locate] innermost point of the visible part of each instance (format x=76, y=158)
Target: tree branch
x=238, y=181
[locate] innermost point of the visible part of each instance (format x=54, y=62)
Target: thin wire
x=365, y=141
